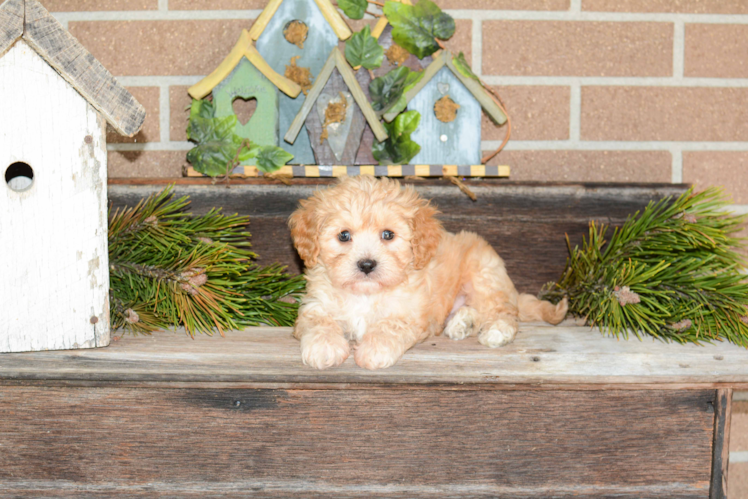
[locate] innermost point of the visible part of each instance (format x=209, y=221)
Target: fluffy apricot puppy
x=382, y=275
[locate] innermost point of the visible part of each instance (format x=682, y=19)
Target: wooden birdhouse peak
x=29, y=21
x=242, y=49
x=332, y=16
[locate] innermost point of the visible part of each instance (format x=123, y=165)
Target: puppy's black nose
x=367, y=265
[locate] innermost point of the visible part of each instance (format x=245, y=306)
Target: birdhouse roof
x=336, y=60
x=444, y=58
x=243, y=48
x=29, y=21
x=333, y=17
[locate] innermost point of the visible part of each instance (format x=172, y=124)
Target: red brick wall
x=599, y=90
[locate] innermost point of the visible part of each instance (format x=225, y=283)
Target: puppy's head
x=368, y=233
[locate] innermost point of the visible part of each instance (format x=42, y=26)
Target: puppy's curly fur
x=382, y=274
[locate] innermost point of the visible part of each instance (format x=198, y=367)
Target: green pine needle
x=673, y=272
x=168, y=268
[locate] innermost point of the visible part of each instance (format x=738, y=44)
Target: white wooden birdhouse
x=54, y=278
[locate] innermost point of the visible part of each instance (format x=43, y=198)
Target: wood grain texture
x=384, y=443
x=310, y=99
x=525, y=223
x=11, y=23
x=87, y=75
x=721, y=447
x=53, y=234
x=352, y=128
x=567, y=355
x=364, y=156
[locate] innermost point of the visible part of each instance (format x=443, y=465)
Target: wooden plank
x=87, y=75
x=363, y=103
x=487, y=103
x=311, y=99
x=566, y=355
x=721, y=446
x=511, y=216
x=60, y=265
x=11, y=23
x=382, y=443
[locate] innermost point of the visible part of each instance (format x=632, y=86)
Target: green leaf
x=413, y=78
x=416, y=28
x=354, y=9
x=271, y=158
x=386, y=90
x=463, y=67
x=201, y=108
x=398, y=149
x=364, y=50
x=217, y=144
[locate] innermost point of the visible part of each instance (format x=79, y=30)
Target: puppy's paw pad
x=461, y=324
x=498, y=334
x=323, y=353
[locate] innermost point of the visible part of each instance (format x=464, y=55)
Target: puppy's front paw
x=378, y=351
x=324, y=350
x=498, y=334
x=462, y=323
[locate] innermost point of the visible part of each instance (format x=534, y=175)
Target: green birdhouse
x=244, y=74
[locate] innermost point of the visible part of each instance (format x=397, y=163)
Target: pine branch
x=673, y=272
x=169, y=268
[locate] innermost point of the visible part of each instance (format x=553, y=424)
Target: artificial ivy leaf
x=463, y=67
x=398, y=149
x=386, y=90
x=271, y=158
x=202, y=108
x=364, y=50
x=217, y=144
x=416, y=28
x=354, y=9
x=413, y=78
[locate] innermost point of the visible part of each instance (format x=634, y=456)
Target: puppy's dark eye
x=344, y=236
x=387, y=234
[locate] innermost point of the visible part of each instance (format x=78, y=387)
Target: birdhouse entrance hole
x=19, y=176
x=244, y=109
x=296, y=32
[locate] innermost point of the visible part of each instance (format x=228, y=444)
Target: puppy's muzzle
x=367, y=265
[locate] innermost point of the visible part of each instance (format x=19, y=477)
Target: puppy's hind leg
x=499, y=319
x=462, y=324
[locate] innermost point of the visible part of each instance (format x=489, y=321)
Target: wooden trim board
x=721, y=447
x=376, y=170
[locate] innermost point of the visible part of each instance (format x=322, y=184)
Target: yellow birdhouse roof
x=243, y=48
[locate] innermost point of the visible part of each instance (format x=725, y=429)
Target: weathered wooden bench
x=563, y=411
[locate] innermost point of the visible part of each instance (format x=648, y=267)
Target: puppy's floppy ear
x=305, y=226
x=427, y=233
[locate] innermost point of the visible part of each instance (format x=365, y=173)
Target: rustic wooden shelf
x=563, y=411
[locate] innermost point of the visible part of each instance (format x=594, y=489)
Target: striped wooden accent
x=376, y=170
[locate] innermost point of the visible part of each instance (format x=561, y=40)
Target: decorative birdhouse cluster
x=322, y=111
x=53, y=229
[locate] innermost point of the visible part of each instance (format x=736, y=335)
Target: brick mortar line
x=511, y=146
x=164, y=117
x=623, y=17
x=475, y=15
x=476, y=43
x=679, y=49
x=575, y=6
x=163, y=5
x=575, y=112
x=739, y=457
x=739, y=210
x=676, y=169
x=622, y=81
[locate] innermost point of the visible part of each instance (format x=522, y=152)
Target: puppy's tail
x=534, y=309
